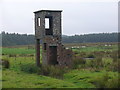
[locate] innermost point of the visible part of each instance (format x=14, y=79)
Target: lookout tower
x=48, y=32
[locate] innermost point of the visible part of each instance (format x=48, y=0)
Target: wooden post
x=38, y=52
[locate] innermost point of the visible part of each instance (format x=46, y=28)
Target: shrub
x=82, y=54
x=12, y=55
x=95, y=63
x=44, y=70
x=90, y=63
x=57, y=72
x=100, y=82
x=77, y=60
x=5, y=63
x=52, y=71
x=99, y=61
x=114, y=56
x=48, y=70
x=105, y=81
x=29, y=68
x=113, y=83
x=115, y=66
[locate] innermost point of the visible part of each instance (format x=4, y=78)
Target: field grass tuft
x=94, y=66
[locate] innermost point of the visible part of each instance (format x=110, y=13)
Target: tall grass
x=53, y=71
x=22, y=62
x=105, y=81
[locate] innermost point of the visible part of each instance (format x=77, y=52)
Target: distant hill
x=12, y=39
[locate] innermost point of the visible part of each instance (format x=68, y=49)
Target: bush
x=106, y=81
x=29, y=68
x=82, y=54
x=100, y=82
x=113, y=83
x=90, y=63
x=114, y=56
x=5, y=63
x=12, y=55
x=57, y=72
x=99, y=61
x=77, y=60
x=115, y=66
x=95, y=63
x=52, y=71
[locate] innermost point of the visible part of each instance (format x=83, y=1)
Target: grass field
x=98, y=72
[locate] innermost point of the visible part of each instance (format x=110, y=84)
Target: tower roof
x=48, y=11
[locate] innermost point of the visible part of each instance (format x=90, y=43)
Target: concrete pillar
x=38, y=52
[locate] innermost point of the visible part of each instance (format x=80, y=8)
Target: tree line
x=12, y=39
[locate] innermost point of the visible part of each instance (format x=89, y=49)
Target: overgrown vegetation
x=29, y=68
x=105, y=81
x=53, y=71
x=5, y=63
x=94, y=66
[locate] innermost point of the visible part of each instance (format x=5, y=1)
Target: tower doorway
x=53, y=55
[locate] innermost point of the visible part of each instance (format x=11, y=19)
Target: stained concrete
x=53, y=52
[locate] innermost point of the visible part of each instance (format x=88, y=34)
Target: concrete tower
x=48, y=30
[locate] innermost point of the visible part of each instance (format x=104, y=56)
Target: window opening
x=38, y=21
x=47, y=23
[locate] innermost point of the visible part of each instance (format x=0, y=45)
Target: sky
x=78, y=16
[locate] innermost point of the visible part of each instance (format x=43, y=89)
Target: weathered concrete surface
x=53, y=52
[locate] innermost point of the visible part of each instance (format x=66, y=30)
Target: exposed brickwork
x=53, y=52
x=64, y=56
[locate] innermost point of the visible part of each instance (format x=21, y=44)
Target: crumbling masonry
x=48, y=32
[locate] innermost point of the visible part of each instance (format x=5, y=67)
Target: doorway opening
x=53, y=55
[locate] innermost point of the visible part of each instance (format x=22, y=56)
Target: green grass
x=15, y=78
x=83, y=78
x=96, y=48
x=12, y=79
x=18, y=75
x=17, y=51
x=25, y=50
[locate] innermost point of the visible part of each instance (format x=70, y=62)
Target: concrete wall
x=63, y=56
